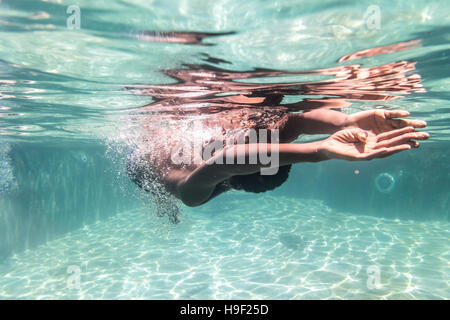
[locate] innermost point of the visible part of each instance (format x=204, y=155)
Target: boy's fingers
x=414, y=144
x=402, y=139
x=390, y=151
x=396, y=114
x=375, y=154
x=394, y=133
x=386, y=152
x=361, y=136
x=401, y=123
x=396, y=149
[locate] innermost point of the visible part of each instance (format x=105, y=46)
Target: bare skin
x=214, y=98
x=361, y=136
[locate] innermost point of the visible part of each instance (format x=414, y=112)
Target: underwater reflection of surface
x=206, y=90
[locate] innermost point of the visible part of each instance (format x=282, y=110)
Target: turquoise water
x=73, y=226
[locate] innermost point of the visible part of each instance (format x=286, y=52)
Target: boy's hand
x=357, y=144
x=379, y=121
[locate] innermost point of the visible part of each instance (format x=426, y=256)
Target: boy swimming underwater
x=236, y=131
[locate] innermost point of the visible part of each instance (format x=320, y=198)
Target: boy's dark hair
x=258, y=183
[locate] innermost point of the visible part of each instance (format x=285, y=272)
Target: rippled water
x=286, y=255
x=65, y=101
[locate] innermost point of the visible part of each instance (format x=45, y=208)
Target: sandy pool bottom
x=252, y=248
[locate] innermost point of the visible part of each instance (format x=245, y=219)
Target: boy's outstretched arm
x=326, y=121
x=350, y=144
